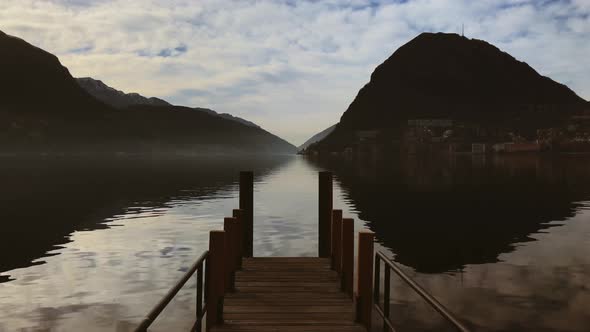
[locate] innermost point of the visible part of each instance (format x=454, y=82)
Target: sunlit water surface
x=138, y=225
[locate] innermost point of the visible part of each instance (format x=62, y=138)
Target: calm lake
x=503, y=242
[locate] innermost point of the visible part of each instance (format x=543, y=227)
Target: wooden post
x=337, y=240
x=247, y=205
x=347, y=255
x=229, y=226
x=325, y=214
x=239, y=215
x=215, y=278
x=364, y=287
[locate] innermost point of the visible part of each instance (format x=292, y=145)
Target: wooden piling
x=364, y=288
x=229, y=226
x=239, y=216
x=215, y=278
x=337, y=240
x=347, y=255
x=247, y=205
x=325, y=214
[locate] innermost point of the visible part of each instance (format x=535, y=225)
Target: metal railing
x=384, y=310
x=201, y=267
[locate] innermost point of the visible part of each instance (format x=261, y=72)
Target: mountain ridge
x=447, y=76
x=44, y=109
x=114, y=97
x=122, y=100
x=317, y=137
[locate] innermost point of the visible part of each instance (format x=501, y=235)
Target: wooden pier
x=288, y=294
x=238, y=292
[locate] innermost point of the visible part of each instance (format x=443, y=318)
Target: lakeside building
x=513, y=147
x=423, y=136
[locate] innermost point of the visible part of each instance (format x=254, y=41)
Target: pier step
x=288, y=294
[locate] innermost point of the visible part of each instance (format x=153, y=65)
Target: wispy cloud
x=291, y=66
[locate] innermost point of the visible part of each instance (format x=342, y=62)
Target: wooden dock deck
x=288, y=294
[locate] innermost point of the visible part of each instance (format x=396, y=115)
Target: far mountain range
x=43, y=109
x=437, y=88
x=122, y=100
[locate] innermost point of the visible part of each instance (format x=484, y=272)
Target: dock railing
x=384, y=309
x=215, y=271
x=200, y=267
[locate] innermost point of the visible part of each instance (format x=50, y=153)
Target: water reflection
x=500, y=241
x=153, y=221
x=44, y=200
x=437, y=215
x=516, y=228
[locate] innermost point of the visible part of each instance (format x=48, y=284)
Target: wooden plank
x=298, y=309
x=282, y=328
x=288, y=294
x=330, y=280
x=292, y=304
x=239, y=215
x=295, y=321
x=336, y=240
x=286, y=258
x=216, y=277
x=285, y=275
x=347, y=255
x=288, y=297
x=319, y=271
x=295, y=266
x=229, y=226
x=365, y=278
x=325, y=214
x=309, y=290
x=308, y=283
x=271, y=265
x=247, y=205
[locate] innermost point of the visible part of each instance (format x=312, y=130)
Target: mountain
x=447, y=76
x=114, y=97
x=119, y=99
x=317, y=137
x=33, y=80
x=44, y=109
x=228, y=116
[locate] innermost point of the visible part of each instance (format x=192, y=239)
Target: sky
x=291, y=66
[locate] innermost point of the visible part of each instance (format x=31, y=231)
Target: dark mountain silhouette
x=114, y=97
x=438, y=75
x=43, y=109
x=122, y=100
x=228, y=116
x=33, y=80
x=317, y=137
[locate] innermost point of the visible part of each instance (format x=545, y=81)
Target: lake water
x=90, y=245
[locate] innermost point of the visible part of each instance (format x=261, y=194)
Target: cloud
x=291, y=66
x=165, y=52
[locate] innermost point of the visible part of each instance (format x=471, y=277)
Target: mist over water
x=94, y=244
